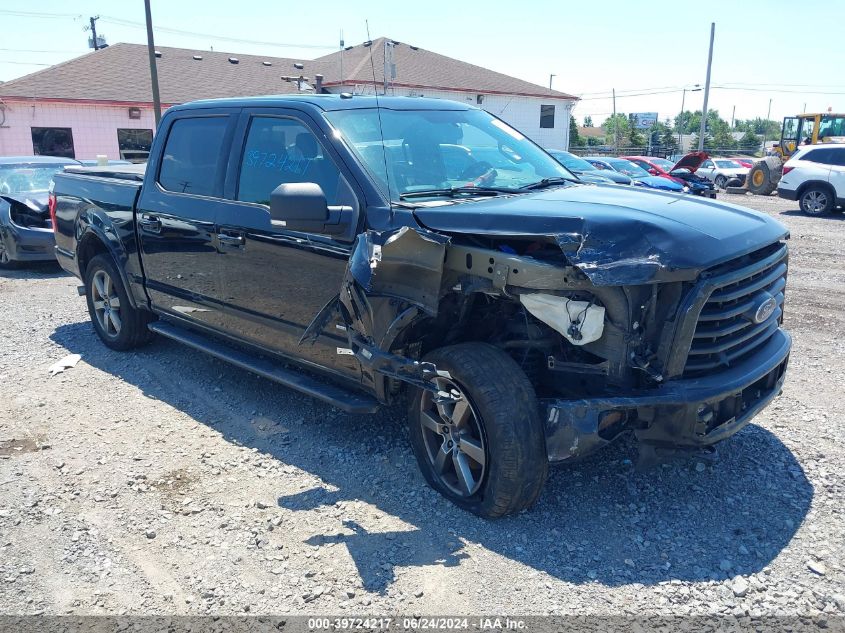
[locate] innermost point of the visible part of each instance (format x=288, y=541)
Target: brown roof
x=120, y=74
x=419, y=68
x=591, y=132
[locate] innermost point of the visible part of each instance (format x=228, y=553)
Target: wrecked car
x=26, y=232
x=682, y=172
x=329, y=244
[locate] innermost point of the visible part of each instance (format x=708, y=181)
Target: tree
x=668, y=140
x=708, y=142
x=588, y=121
x=722, y=139
x=760, y=126
x=635, y=139
x=575, y=139
x=749, y=142
x=617, y=128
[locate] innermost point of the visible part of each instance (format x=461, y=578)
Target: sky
x=657, y=47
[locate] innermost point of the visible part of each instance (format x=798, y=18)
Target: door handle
x=230, y=240
x=150, y=223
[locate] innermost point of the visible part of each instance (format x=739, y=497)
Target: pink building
x=100, y=103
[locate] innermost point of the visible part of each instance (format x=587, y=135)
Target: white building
x=101, y=103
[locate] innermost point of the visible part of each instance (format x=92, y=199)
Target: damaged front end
x=603, y=339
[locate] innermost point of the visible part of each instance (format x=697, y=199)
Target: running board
x=343, y=399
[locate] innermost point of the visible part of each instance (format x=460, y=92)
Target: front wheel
x=6, y=260
x=721, y=181
x=117, y=323
x=484, y=447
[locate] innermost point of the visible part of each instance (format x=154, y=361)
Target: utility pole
x=93, y=22
x=766, y=126
x=151, y=50
x=733, y=114
x=706, y=90
x=550, y=80
x=615, y=124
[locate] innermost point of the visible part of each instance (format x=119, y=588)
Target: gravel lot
x=164, y=482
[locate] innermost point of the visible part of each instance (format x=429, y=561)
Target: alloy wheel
x=106, y=303
x=814, y=202
x=454, y=439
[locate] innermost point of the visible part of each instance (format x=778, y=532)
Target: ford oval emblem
x=765, y=309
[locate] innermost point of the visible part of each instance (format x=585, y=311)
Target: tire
x=497, y=435
x=721, y=181
x=761, y=179
x=117, y=323
x=817, y=200
x=6, y=262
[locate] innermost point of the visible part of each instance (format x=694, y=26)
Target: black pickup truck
x=367, y=250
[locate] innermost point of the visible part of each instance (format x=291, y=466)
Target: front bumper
x=29, y=244
x=689, y=413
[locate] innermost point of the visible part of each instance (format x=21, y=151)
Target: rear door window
x=193, y=155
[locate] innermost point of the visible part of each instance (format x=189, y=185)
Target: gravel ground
x=164, y=482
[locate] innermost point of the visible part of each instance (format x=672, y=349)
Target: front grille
x=725, y=332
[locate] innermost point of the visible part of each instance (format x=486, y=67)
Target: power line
x=32, y=50
x=37, y=14
x=132, y=24
x=3, y=61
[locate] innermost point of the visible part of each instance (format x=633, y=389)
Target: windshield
x=728, y=164
x=627, y=167
x=26, y=178
x=664, y=164
x=425, y=150
x=572, y=162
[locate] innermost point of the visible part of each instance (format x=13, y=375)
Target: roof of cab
x=328, y=102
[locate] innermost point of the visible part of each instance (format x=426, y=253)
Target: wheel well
x=90, y=247
x=818, y=183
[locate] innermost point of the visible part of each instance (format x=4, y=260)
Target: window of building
x=281, y=150
x=193, y=155
x=547, y=116
x=53, y=141
x=134, y=145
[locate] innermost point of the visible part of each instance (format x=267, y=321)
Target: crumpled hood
x=36, y=201
x=617, y=235
x=691, y=161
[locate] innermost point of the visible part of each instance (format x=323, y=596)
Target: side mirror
x=302, y=206
x=653, y=172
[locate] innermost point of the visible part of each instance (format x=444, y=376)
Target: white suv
x=815, y=176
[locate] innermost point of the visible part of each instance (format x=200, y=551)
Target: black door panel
x=276, y=281
x=177, y=215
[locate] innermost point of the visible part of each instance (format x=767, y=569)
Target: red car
x=745, y=161
x=682, y=172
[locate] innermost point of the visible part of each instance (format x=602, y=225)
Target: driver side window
x=283, y=150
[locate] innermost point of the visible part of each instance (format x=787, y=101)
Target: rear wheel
x=817, y=200
x=484, y=447
x=117, y=323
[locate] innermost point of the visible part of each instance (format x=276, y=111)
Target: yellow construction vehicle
x=803, y=129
